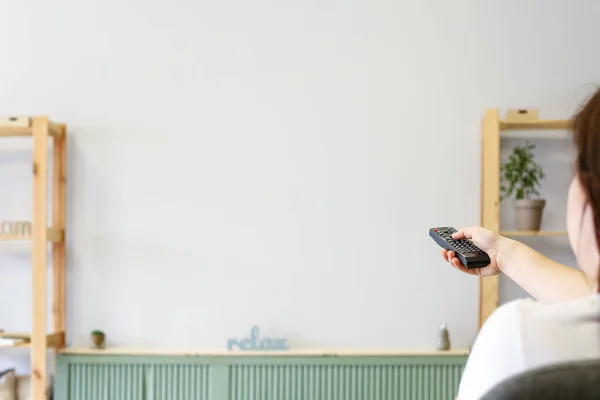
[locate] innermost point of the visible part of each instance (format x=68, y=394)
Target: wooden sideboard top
x=284, y=353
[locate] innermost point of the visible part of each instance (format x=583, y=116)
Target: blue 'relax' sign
x=255, y=343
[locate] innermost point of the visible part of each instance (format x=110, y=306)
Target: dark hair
x=586, y=132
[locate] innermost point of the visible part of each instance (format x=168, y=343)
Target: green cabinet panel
x=240, y=377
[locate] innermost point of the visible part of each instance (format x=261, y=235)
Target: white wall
x=274, y=163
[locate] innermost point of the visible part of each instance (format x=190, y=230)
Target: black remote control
x=469, y=255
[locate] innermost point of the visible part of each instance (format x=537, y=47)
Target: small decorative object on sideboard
x=522, y=177
x=98, y=339
x=443, y=337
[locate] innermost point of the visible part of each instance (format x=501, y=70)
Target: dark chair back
x=576, y=380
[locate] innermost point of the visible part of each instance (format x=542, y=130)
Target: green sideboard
x=131, y=375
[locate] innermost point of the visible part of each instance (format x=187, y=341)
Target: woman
x=564, y=323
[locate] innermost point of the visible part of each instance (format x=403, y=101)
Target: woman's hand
x=483, y=238
x=542, y=278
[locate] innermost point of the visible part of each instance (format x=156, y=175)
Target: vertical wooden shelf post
x=490, y=203
x=39, y=361
x=59, y=172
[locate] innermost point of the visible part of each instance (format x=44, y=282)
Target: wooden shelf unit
x=491, y=134
x=39, y=341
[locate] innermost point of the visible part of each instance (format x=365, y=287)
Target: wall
x=238, y=163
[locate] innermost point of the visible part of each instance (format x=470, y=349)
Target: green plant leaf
x=521, y=174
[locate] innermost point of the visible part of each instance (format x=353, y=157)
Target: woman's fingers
x=459, y=266
x=464, y=233
x=455, y=262
x=451, y=255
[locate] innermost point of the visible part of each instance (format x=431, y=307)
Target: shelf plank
x=54, y=130
x=533, y=233
x=15, y=131
x=540, y=134
x=536, y=125
x=54, y=236
x=53, y=340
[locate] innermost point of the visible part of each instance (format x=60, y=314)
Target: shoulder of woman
x=495, y=354
x=502, y=330
x=511, y=310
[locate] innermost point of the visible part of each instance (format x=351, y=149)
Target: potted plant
x=522, y=176
x=98, y=339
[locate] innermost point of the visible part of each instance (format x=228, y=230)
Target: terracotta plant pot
x=98, y=340
x=529, y=213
